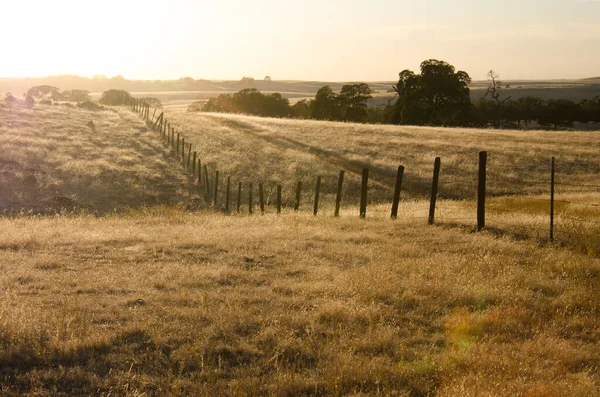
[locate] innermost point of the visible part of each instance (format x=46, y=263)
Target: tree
x=115, y=97
x=494, y=91
x=560, y=112
x=353, y=101
x=268, y=78
x=590, y=110
x=528, y=109
x=301, y=109
x=41, y=91
x=438, y=96
x=325, y=105
x=10, y=100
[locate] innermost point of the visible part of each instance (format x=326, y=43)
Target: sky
x=332, y=40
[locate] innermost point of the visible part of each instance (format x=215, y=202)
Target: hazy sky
x=335, y=40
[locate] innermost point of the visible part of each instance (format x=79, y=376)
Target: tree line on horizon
x=437, y=96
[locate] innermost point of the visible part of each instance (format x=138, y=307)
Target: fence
x=485, y=215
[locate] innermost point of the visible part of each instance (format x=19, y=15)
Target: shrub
x=115, y=98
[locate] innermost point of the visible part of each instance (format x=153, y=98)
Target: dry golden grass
x=281, y=151
x=518, y=162
x=55, y=158
x=172, y=303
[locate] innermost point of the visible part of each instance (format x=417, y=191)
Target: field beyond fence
x=552, y=205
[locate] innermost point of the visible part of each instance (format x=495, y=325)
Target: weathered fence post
x=172, y=137
x=165, y=126
x=239, y=197
x=194, y=166
x=481, y=191
x=177, y=147
x=216, y=187
x=363, y=193
x=298, y=191
x=189, y=157
x=317, y=194
x=552, y=201
x=397, y=189
x=261, y=198
x=338, y=196
x=206, y=184
x=227, y=194
x=182, y=150
x=250, y=199
x=434, y=189
x=278, y=199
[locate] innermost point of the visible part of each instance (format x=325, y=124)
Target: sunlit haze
x=334, y=40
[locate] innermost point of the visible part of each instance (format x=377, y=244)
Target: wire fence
x=567, y=221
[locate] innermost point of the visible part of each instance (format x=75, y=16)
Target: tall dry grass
x=164, y=302
x=55, y=158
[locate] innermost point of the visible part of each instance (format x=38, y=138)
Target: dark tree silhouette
x=438, y=96
x=42, y=91
x=325, y=106
x=353, y=101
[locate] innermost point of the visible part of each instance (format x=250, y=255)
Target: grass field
x=154, y=299
x=55, y=158
x=173, y=303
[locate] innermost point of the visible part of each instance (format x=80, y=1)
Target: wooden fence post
x=298, y=191
x=363, y=193
x=434, y=189
x=194, y=166
x=158, y=119
x=227, y=195
x=552, y=201
x=397, y=189
x=317, y=194
x=250, y=199
x=182, y=150
x=481, y=191
x=189, y=157
x=261, y=198
x=239, y=197
x=216, y=188
x=338, y=196
x=172, y=137
x=206, y=184
x=278, y=199
x=165, y=126
x=177, y=147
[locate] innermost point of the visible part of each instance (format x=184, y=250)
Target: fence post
x=317, y=191
x=278, y=199
x=481, y=191
x=172, y=137
x=227, y=195
x=165, y=126
x=397, y=189
x=434, y=189
x=189, y=157
x=298, y=191
x=194, y=166
x=250, y=199
x=338, y=197
x=216, y=187
x=363, y=193
x=182, y=150
x=552, y=203
x=261, y=198
x=177, y=147
x=239, y=198
x=206, y=184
